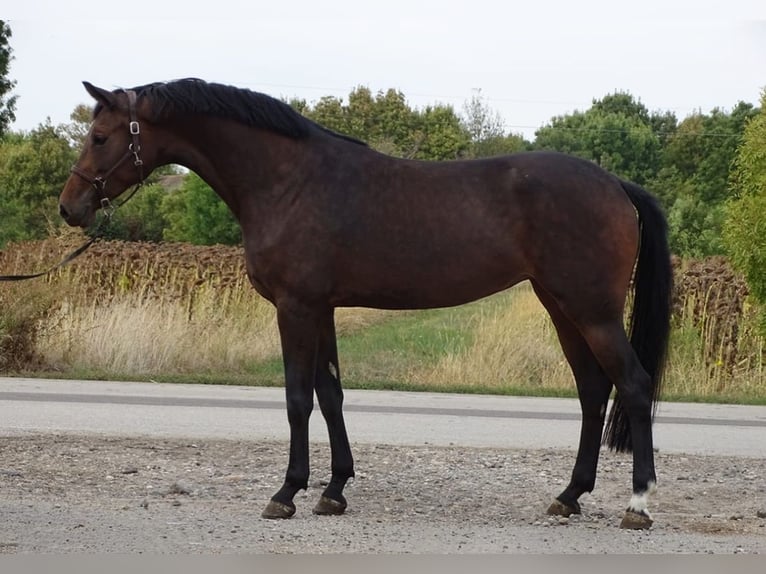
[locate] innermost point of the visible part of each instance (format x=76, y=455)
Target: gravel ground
x=92, y=494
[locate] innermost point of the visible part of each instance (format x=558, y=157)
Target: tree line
x=707, y=169
x=689, y=164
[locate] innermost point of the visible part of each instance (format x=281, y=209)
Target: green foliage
x=617, y=132
x=686, y=164
x=77, y=129
x=7, y=103
x=142, y=218
x=387, y=123
x=441, y=135
x=33, y=170
x=748, y=178
x=745, y=239
x=744, y=229
x=195, y=214
x=694, y=182
x=486, y=130
x=695, y=226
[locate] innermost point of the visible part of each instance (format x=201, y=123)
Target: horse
x=329, y=222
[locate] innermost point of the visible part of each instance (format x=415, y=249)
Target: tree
x=33, y=170
x=388, y=124
x=694, y=181
x=7, y=103
x=481, y=121
x=77, y=129
x=195, y=214
x=744, y=228
x=329, y=112
x=142, y=218
x=486, y=128
x=440, y=135
x=617, y=132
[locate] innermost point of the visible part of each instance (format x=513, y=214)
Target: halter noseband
x=98, y=182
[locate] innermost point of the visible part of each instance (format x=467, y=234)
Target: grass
x=142, y=337
x=697, y=368
x=504, y=344
x=22, y=309
x=187, y=315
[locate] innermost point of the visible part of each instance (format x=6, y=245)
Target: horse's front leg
x=299, y=333
x=330, y=395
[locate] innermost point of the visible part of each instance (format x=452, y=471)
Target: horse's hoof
x=636, y=520
x=558, y=508
x=329, y=507
x=276, y=509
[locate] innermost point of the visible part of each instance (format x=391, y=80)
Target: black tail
x=650, y=320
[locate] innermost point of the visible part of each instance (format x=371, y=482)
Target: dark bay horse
x=328, y=222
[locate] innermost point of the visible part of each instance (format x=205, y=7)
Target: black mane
x=246, y=106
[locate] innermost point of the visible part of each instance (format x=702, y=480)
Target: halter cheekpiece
x=98, y=182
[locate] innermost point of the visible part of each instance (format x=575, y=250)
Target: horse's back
x=438, y=234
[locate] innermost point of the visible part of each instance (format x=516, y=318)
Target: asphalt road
x=373, y=417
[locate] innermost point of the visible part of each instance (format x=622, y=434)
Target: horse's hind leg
x=330, y=396
x=616, y=356
x=593, y=387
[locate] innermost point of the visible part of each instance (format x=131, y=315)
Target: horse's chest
x=276, y=274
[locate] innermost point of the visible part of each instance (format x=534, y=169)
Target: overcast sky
x=531, y=60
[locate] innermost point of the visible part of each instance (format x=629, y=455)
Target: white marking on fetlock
x=639, y=502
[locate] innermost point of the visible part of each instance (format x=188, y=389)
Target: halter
x=98, y=182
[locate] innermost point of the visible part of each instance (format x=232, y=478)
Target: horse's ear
x=102, y=96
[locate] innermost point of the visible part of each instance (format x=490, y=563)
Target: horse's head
x=111, y=160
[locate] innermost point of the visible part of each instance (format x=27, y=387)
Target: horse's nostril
x=63, y=212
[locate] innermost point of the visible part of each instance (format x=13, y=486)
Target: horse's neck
x=233, y=159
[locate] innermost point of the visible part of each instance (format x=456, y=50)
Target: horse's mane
x=251, y=108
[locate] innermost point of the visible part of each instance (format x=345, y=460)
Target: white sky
x=532, y=59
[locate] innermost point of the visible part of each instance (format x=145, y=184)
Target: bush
x=195, y=214
x=23, y=310
x=744, y=229
x=141, y=218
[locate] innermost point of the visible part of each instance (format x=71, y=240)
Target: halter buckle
x=107, y=206
x=134, y=128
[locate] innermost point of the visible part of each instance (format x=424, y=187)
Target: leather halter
x=98, y=182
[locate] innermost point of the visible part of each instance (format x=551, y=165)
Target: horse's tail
x=650, y=320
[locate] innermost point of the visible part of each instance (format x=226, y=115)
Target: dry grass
x=22, y=309
x=216, y=331
x=139, y=336
x=698, y=364
x=138, y=311
x=513, y=344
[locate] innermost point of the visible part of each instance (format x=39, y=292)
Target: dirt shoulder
x=93, y=494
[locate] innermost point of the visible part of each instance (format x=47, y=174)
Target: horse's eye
x=99, y=139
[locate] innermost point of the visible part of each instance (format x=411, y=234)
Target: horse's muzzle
x=82, y=217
